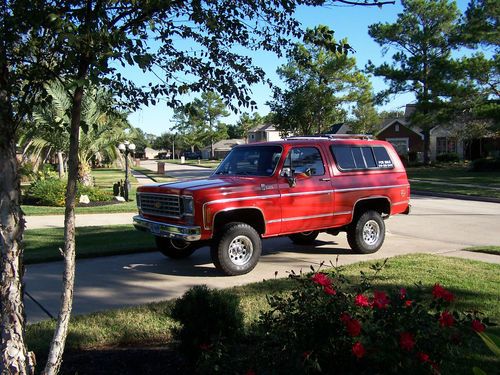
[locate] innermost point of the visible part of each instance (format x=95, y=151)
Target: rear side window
x=361, y=157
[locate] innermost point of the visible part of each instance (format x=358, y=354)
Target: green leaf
x=478, y=371
x=491, y=341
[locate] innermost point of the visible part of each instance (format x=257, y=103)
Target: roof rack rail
x=332, y=136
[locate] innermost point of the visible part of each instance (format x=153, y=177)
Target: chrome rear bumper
x=181, y=232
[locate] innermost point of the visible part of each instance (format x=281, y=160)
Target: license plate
x=154, y=228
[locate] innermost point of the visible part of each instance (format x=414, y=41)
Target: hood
x=225, y=185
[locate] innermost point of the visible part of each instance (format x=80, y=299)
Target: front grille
x=160, y=204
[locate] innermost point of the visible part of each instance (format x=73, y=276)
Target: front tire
x=236, y=250
x=367, y=233
x=304, y=238
x=175, y=249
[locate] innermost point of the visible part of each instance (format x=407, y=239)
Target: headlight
x=187, y=205
x=138, y=200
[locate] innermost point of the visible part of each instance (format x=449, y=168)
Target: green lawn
x=203, y=163
x=104, y=178
x=156, y=177
x=42, y=245
x=495, y=250
x=457, y=174
x=152, y=325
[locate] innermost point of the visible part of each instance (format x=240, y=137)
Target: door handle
x=324, y=179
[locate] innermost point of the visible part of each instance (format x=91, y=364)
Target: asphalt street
x=435, y=225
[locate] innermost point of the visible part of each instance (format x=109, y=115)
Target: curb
x=455, y=196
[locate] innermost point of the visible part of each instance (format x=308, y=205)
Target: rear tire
x=367, y=233
x=304, y=238
x=236, y=250
x=175, y=249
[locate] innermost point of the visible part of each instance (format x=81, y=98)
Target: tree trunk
x=85, y=174
x=60, y=164
x=427, y=146
x=59, y=340
x=15, y=357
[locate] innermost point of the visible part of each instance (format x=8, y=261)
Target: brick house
x=404, y=139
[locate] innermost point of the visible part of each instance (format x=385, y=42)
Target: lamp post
x=126, y=148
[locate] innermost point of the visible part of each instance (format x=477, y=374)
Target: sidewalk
x=87, y=220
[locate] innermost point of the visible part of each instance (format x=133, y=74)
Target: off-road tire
x=175, y=249
x=367, y=233
x=236, y=249
x=304, y=238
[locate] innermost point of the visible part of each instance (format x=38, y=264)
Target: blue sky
x=349, y=22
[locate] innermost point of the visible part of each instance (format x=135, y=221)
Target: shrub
x=451, y=157
x=484, y=165
x=47, y=192
x=95, y=194
x=327, y=326
x=208, y=317
x=51, y=192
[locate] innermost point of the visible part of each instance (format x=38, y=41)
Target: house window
x=446, y=145
x=400, y=144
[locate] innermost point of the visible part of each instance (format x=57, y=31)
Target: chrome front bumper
x=181, y=232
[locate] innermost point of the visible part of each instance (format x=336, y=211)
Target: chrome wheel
x=240, y=250
x=371, y=232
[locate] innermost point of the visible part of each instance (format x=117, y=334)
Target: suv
x=297, y=187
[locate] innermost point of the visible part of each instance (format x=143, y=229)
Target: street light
x=126, y=148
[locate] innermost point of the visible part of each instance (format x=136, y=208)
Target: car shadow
x=275, y=250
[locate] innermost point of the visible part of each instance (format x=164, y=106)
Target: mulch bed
x=125, y=361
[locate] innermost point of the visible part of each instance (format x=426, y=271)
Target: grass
x=436, y=177
x=42, y=245
x=104, y=179
x=495, y=250
x=156, y=177
x=203, y=163
x=151, y=324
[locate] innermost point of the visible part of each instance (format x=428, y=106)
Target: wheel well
x=381, y=205
x=250, y=216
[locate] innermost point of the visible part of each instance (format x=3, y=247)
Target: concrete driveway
x=436, y=225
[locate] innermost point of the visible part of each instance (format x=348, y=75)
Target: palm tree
x=103, y=127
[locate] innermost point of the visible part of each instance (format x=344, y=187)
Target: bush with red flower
x=328, y=325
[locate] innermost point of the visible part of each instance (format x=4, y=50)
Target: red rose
x=380, y=299
x=353, y=327
x=345, y=317
x=362, y=301
x=321, y=279
x=446, y=319
x=477, y=326
x=358, y=350
x=406, y=341
x=402, y=293
x=205, y=347
x=439, y=292
x=329, y=290
x=307, y=354
x=408, y=303
x=423, y=357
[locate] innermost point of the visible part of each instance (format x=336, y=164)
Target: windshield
x=250, y=161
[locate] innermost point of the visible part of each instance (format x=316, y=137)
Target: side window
x=344, y=158
x=304, y=159
x=365, y=157
x=369, y=158
x=382, y=157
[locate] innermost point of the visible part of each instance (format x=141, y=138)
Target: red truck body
x=284, y=200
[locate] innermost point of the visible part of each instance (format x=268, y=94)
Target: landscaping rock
x=84, y=199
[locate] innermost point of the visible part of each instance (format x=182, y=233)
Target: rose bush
x=328, y=325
